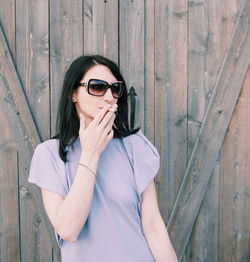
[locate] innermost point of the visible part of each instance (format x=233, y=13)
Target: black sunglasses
x=97, y=87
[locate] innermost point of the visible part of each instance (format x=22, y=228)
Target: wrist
x=90, y=160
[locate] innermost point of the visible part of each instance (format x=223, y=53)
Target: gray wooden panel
x=161, y=101
x=101, y=28
x=132, y=51
x=212, y=133
x=9, y=211
x=171, y=98
x=149, y=72
x=66, y=44
x=9, y=217
x=26, y=136
x=8, y=23
x=204, y=62
x=235, y=184
x=32, y=61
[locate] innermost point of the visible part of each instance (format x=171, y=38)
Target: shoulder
x=138, y=142
x=50, y=146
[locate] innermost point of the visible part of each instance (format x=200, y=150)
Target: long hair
x=68, y=123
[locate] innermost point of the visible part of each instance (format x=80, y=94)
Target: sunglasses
x=97, y=87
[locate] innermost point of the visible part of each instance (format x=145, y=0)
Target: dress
x=112, y=232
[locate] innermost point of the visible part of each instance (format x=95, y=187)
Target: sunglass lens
x=117, y=89
x=97, y=87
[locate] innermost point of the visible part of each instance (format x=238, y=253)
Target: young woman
x=96, y=175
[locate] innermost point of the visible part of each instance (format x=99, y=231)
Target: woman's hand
x=99, y=132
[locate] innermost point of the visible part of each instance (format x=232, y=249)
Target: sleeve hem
x=61, y=193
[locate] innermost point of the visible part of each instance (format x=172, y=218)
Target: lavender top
x=112, y=232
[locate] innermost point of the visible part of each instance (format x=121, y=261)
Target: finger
x=105, y=121
x=109, y=126
x=99, y=116
x=108, y=117
x=110, y=134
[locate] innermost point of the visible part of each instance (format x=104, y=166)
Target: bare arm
x=68, y=215
x=154, y=228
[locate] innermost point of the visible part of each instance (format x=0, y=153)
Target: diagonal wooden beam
x=212, y=133
x=21, y=121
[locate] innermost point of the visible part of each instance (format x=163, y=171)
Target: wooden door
x=189, y=64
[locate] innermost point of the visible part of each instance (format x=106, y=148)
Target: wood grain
x=9, y=204
x=171, y=98
x=101, y=28
x=203, y=68
x=66, y=44
x=150, y=112
x=235, y=183
x=26, y=136
x=8, y=23
x=212, y=133
x=132, y=50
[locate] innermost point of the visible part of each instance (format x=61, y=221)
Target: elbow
x=70, y=238
x=66, y=234
x=67, y=237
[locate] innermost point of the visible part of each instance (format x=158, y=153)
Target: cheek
x=88, y=105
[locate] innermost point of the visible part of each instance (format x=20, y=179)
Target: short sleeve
x=144, y=159
x=47, y=170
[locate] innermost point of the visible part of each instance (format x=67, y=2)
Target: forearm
x=74, y=210
x=159, y=243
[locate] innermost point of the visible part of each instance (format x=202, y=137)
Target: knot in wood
x=24, y=191
x=36, y=222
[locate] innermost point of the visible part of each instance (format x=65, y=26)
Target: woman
x=96, y=175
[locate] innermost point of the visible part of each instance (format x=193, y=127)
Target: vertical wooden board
x=162, y=83
x=8, y=23
x=36, y=244
x=9, y=223
x=32, y=62
x=235, y=184
x=149, y=74
x=228, y=18
x=204, y=62
x=101, y=28
x=171, y=98
x=132, y=50
x=32, y=58
x=9, y=209
x=203, y=244
x=66, y=44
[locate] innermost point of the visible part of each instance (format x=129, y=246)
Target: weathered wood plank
x=132, y=51
x=101, y=28
x=8, y=23
x=235, y=184
x=149, y=73
x=9, y=211
x=204, y=62
x=171, y=98
x=21, y=122
x=32, y=62
x=212, y=133
x=161, y=101
x=66, y=44
x=32, y=59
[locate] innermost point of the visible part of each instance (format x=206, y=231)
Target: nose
x=108, y=97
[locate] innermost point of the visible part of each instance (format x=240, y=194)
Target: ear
x=74, y=97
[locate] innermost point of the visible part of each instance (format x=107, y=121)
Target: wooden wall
x=171, y=52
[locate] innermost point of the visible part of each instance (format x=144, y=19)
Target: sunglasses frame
x=108, y=85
